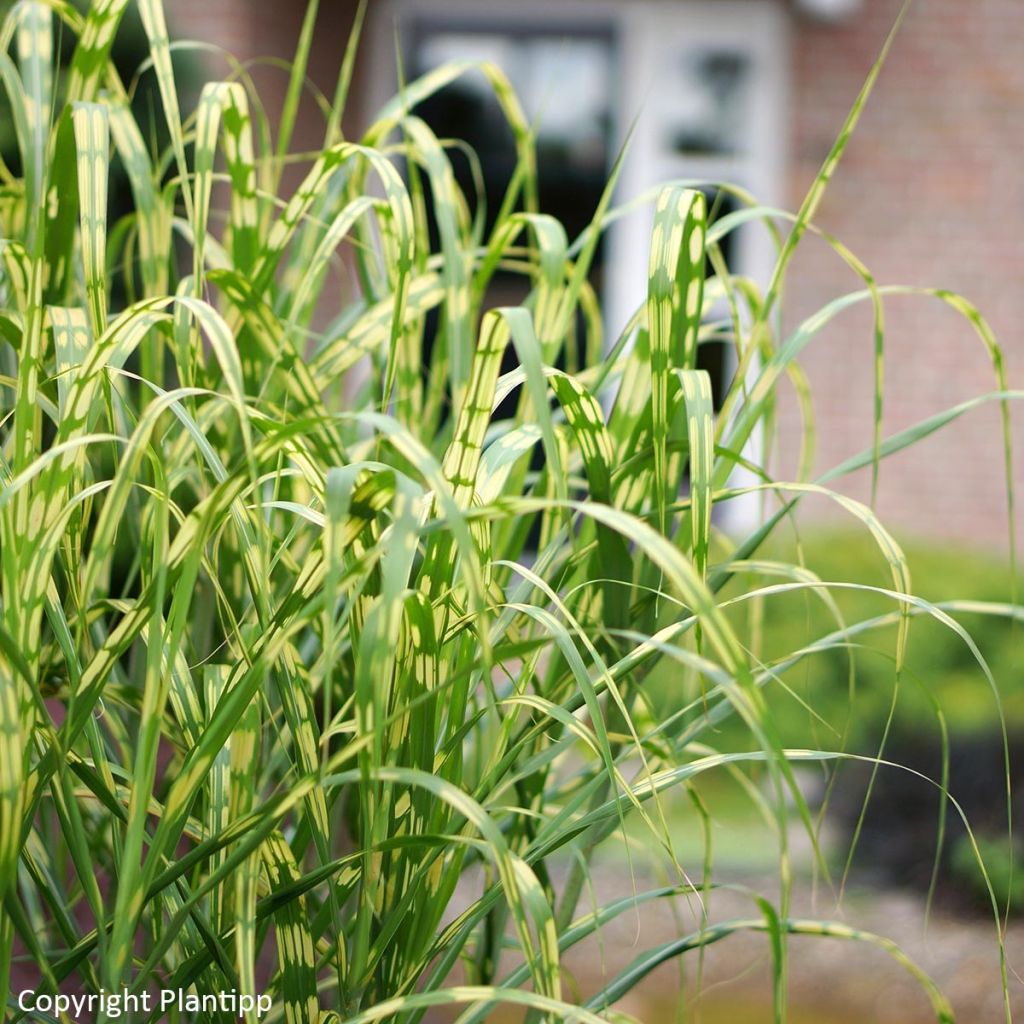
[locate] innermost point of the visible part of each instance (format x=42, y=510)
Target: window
x=564, y=81
x=706, y=77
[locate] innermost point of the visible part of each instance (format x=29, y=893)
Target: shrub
x=298, y=642
x=940, y=667
x=907, y=835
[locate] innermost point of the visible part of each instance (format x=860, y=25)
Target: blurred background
x=750, y=92
x=929, y=194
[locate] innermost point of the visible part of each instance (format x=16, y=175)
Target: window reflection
x=711, y=118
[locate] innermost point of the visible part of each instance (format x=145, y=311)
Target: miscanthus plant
x=318, y=677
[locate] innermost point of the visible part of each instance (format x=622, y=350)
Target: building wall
x=929, y=193
x=265, y=33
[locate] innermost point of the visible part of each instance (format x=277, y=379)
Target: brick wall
x=929, y=193
x=270, y=29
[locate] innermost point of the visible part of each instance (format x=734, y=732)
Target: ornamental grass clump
x=317, y=678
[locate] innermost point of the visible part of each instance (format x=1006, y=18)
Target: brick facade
x=928, y=194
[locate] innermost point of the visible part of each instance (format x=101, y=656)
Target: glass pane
x=714, y=101
x=564, y=85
